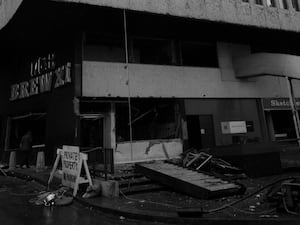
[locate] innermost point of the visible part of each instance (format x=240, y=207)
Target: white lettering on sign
x=43, y=83
x=42, y=64
x=282, y=103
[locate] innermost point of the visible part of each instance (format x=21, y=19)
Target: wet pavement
x=142, y=208
x=16, y=209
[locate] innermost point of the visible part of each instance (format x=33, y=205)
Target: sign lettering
x=70, y=159
x=42, y=83
x=278, y=103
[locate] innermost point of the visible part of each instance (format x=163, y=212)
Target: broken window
x=199, y=54
x=151, y=119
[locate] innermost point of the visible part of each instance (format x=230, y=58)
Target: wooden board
x=192, y=183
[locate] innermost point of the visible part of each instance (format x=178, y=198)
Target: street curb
x=166, y=219
x=126, y=214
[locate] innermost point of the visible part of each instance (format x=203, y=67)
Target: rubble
x=201, y=160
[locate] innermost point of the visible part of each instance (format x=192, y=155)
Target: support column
x=112, y=115
x=294, y=108
x=7, y=133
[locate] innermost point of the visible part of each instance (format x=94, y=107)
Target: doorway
x=200, y=131
x=280, y=124
x=91, y=136
x=19, y=125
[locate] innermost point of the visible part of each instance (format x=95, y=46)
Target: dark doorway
x=91, y=132
x=283, y=123
x=193, y=127
x=91, y=137
x=207, y=131
x=200, y=131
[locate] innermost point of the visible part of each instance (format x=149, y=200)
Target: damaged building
x=149, y=79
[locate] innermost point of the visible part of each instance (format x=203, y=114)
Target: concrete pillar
x=12, y=160
x=40, y=161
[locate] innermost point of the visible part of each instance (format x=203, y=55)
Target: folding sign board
x=72, y=161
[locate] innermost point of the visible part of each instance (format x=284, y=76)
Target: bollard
x=40, y=161
x=12, y=160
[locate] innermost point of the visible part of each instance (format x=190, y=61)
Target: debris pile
x=200, y=160
x=51, y=198
x=93, y=190
x=285, y=196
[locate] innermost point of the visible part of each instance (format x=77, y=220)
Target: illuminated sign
x=45, y=76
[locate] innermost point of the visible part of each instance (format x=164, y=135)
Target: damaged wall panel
x=147, y=150
x=170, y=81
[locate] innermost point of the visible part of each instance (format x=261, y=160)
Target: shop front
x=40, y=99
x=279, y=118
x=206, y=121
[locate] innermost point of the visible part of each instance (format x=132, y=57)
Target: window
x=107, y=48
x=283, y=4
x=151, y=119
x=199, y=54
x=246, y=1
x=271, y=3
x=295, y=5
x=259, y=2
x=152, y=51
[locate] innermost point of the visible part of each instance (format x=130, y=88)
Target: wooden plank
x=189, y=182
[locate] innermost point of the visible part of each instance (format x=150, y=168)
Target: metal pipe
x=128, y=81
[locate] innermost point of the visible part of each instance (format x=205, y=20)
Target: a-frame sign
x=72, y=161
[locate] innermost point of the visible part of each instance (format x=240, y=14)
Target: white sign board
x=234, y=127
x=70, y=159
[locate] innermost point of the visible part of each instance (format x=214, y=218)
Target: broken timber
x=193, y=183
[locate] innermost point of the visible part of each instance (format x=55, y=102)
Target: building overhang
x=226, y=11
x=262, y=64
x=7, y=10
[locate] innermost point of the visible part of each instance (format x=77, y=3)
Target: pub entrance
x=17, y=126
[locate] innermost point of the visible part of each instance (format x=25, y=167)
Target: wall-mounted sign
x=45, y=76
x=234, y=127
x=278, y=103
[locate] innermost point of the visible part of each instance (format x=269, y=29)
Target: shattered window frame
x=153, y=119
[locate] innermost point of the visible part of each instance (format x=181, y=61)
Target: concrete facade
x=227, y=11
x=7, y=10
x=180, y=82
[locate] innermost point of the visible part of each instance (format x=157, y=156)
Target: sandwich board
x=72, y=162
